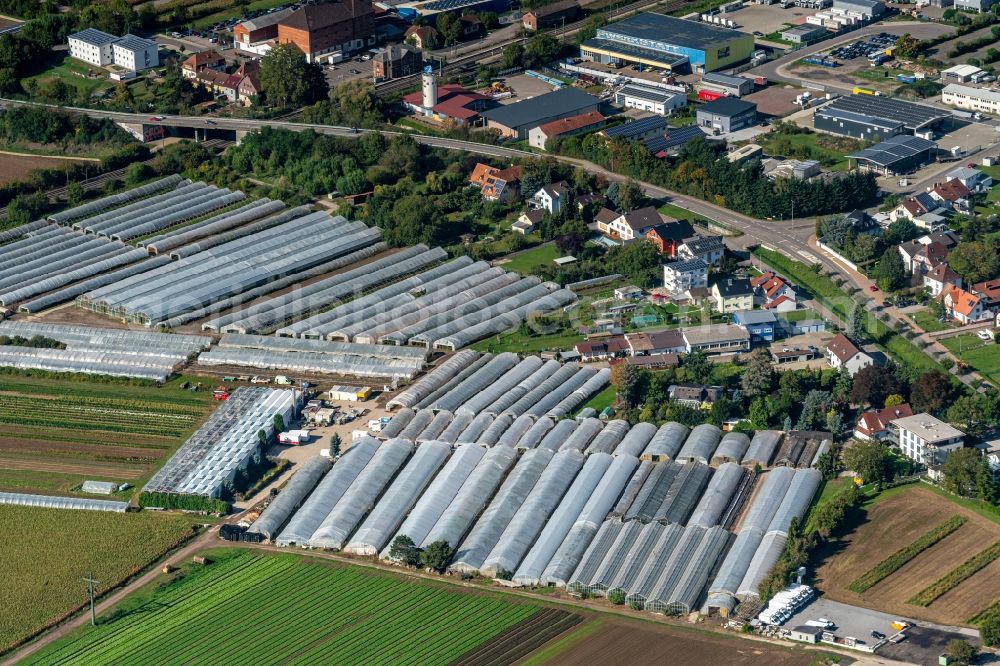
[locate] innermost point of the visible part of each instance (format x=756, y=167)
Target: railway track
x=471, y=60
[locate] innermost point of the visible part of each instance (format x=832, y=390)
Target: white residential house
x=681, y=276
x=926, y=439
x=135, y=54
x=842, y=353
x=92, y=46
x=965, y=307
x=527, y=221
x=974, y=179
x=940, y=277
x=629, y=226
x=551, y=197
x=709, y=249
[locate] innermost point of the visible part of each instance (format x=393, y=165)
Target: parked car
x=872, y=288
x=985, y=335
x=878, y=635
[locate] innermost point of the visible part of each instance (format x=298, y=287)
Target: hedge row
x=894, y=562
x=183, y=502
x=952, y=579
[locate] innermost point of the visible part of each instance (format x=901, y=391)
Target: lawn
x=74, y=73
x=828, y=149
x=926, y=320
x=527, y=261
x=603, y=400
x=983, y=357
x=675, y=211
x=519, y=342
x=291, y=610
x=799, y=315
x=47, y=552
x=56, y=432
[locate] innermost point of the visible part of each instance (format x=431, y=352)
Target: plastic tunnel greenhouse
x=398, y=499
x=508, y=501
x=329, y=491
x=632, y=489
x=665, y=444
x=277, y=513
x=360, y=497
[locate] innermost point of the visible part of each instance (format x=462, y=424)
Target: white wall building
x=135, y=53
x=971, y=99
x=842, y=353
x=925, y=439
x=92, y=46
x=681, y=276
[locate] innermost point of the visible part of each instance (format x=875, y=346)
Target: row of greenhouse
x=100, y=351
x=656, y=532
x=226, y=442
x=315, y=356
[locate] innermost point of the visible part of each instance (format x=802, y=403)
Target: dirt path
x=206, y=539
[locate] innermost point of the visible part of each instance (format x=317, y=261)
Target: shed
x=805, y=634
x=98, y=487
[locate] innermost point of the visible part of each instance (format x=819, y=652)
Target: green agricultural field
x=47, y=552
x=250, y=608
x=56, y=432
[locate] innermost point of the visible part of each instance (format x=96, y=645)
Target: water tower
x=430, y=88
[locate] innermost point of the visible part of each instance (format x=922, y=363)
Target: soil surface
x=890, y=525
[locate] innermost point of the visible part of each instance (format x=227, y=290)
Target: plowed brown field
x=895, y=522
x=637, y=644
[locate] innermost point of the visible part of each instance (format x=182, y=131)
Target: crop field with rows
x=57, y=433
x=47, y=552
x=292, y=611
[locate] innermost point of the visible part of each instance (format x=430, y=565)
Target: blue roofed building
x=663, y=42
x=760, y=324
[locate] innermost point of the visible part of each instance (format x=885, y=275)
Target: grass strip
x=988, y=612
x=953, y=578
x=894, y=562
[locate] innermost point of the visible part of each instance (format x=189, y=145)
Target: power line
x=90, y=585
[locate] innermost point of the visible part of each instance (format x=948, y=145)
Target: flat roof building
x=716, y=338
x=515, y=120
x=664, y=42
x=649, y=98
x=867, y=116
x=804, y=34
x=896, y=155
x=866, y=8
x=733, y=85
x=727, y=114
x=982, y=100
x=926, y=439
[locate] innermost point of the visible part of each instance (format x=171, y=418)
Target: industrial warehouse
x=481, y=455
x=663, y=42
x=878, y=116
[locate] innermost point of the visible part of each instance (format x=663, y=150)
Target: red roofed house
x=584, y=122
x=593, y=350
x=198, y=62
x=874, y=424
x=963, y=306
x=941, y=276
x=448, y=103
x=497, y=184
x=953, y=194
x=667, y=237
x=772, y=292
x=989, y=291
x=842, y=353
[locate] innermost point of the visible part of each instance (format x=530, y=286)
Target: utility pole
x=89, y=580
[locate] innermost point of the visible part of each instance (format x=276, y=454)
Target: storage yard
x=478, y=456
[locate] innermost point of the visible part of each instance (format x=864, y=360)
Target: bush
x=183, y=502
x=952, y=579
x=894, y=562
x=617, y=597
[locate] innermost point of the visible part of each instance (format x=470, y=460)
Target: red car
x=873, y=288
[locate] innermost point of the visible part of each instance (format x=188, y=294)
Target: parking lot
x=870, y=47
x=922, y=644
x=765, y=19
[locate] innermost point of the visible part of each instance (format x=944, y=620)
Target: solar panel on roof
x=636, y=127
x=914, y=116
